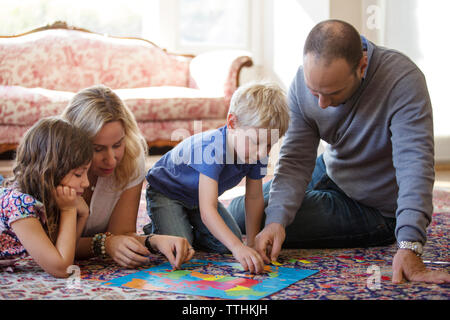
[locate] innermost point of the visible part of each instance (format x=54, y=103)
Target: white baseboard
x=442, y=149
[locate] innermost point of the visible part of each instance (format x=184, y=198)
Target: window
x=213, y=23
x=118, y=18
x=188, y=26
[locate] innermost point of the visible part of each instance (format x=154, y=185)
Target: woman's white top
x=105, y=197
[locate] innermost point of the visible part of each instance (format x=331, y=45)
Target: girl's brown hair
x=91, y=108
x=49, y=150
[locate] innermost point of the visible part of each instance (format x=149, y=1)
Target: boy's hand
x=249, y=259
x=66, y=198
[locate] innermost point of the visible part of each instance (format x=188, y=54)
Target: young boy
x=184, y=185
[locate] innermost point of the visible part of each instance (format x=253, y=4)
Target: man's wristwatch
x=416, y=247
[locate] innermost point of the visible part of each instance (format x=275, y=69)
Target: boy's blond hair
x=261, y=105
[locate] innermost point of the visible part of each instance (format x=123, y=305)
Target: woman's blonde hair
x=91, y=108
x=262, y=105
x=49, y=150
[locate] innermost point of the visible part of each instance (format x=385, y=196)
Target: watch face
x=414, y=246
x=417, y=247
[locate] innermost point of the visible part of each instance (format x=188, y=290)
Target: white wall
x=285, y=26
x=419, y=29
x=415, y=27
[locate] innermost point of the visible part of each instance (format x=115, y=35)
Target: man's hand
x=269, y=241
x=407, y=265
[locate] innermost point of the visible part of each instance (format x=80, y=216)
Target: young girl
x=42, y=212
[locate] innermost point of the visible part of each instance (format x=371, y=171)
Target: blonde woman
x=116, y=177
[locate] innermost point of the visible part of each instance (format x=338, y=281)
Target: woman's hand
x=176, y=249
x=127, y=251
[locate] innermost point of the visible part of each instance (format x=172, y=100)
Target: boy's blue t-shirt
x=176, y=174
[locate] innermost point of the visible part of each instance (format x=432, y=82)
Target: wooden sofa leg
x=162, y=143
x=8, y=147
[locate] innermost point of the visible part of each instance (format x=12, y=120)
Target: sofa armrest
x=218, y=71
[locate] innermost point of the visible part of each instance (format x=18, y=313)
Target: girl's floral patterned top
x=15, y=205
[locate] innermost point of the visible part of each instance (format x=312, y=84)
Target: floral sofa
x=41, y=70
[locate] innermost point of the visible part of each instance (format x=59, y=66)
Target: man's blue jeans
x=328, y=218
x=173, y=217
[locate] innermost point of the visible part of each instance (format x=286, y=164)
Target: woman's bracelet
x=148, y=245
x=98, y=244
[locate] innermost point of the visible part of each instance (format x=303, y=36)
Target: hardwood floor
x=442, y=179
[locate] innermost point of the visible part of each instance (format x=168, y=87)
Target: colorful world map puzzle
x=213, y=279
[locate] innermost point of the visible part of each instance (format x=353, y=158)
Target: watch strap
x=416, y=247
x=148, y=245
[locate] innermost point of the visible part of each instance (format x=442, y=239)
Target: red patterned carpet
x=343, y=273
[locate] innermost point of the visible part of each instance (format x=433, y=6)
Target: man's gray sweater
x=381, y=146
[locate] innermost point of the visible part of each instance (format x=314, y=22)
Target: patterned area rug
x=343, y=273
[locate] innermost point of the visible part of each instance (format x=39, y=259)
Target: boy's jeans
x=328, y=218
x=172, y=217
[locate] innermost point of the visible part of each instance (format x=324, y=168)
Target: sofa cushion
x=173, y=103
x=25, y=106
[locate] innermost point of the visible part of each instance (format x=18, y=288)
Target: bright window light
x=213, y=23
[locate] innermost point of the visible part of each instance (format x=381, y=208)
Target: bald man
x=373, y=184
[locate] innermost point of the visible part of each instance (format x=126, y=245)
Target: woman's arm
x=124, y=216
x=122, y=224
x=125, y=246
